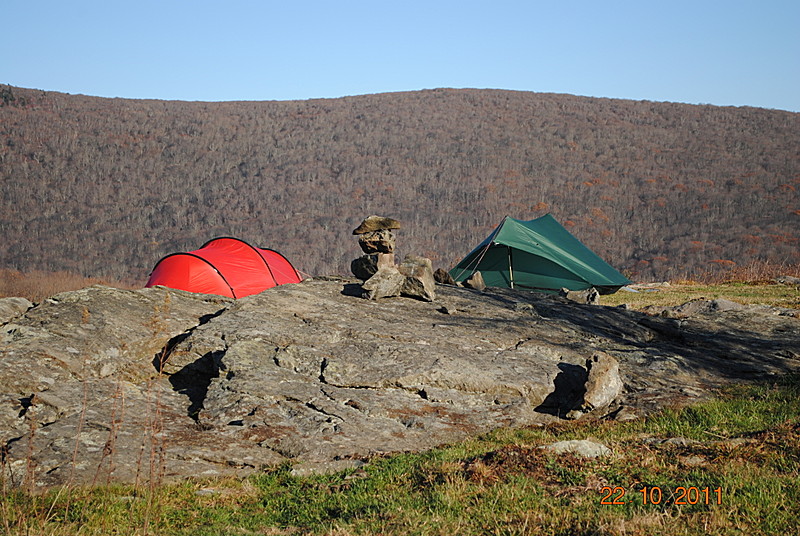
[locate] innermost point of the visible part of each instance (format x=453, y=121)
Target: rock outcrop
x=103, y=385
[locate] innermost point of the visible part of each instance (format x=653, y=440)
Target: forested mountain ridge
x=105, y=187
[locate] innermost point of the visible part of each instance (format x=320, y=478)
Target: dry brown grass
x=753, y=272
x=38, y=285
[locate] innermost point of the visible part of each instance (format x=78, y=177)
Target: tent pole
x=510, y=268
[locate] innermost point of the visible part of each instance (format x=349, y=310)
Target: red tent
x=226, y=266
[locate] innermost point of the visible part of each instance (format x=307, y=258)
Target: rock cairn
x=381, y=277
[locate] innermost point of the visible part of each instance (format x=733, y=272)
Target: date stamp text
x=680, y=495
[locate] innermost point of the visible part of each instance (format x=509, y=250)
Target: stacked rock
x=382, y=278
x=376, y=240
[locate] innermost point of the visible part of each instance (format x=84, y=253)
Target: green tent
x=538, y=255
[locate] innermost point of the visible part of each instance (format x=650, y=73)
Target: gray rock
x=721, y=304
x=475, y=281
x=12, y=307
x=97, y=332
x=574, y=414
x=331, y=393
x=385, y=283
x=579, y=447
x=589, y=296
x=413, y=279
x=701, y=306
x=603, y=384
x=419, y=282
x=680, y=441
x=624, y=414
x=81, y=370
x=692, y=461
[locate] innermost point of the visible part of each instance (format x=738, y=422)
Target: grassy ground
x=765, y=293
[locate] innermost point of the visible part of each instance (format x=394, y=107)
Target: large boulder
x=413, y=279
x=603, y=384
x=104, y=385
x=385, y=283
x=419, y=282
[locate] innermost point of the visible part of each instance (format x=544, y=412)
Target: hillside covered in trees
x=106, y=187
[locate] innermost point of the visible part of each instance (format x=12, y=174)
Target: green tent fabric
x=538, y=254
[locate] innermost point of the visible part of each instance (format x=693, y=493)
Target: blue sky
x=735, y=52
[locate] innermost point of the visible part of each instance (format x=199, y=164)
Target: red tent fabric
x=225, y=266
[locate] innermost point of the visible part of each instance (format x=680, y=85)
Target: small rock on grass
x=579, y=447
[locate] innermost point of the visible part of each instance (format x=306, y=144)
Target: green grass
x=774, y=294
x=746, y=443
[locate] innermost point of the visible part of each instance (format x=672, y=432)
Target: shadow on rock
x=353, y=289
x=194, y=379
x=570, y=387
